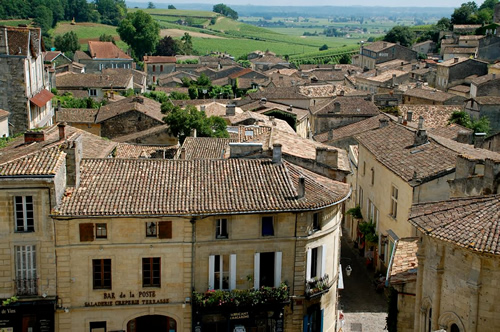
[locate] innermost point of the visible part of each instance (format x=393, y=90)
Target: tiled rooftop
x=195, y=187
x=378, y=46
x=143, y=105
x=76, y=115
x=71, y=80
x=430, y=94
x=106, y=50
x=44, y=162
x=487, y=100
x=434, y=115
x=405, y=263
x=348, y=106
x=196, y=148
x=351, y=129
x=125, y=150
x=472, y=222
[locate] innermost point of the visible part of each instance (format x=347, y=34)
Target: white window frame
x=394, y=201
x=221, y=225
x=26, y=226
x=278, y=262
x=93, y=92
x=320, y=262
x=231, y=272
x=26, y=272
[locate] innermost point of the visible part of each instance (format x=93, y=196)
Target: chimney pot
x=455, y=60
x=302, y=187
x=383, y=123
x=420, y=123
x=230, y=109
x=34, y=136
x=62, y=130
x=277, y=153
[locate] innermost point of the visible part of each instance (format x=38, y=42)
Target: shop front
x=28, y=316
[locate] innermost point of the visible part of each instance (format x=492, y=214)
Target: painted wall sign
x=127, y=298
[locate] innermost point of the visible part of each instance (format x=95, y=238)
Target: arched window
x=454, y=328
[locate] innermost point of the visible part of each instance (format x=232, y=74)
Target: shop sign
x=239, y=315
x=128, y=298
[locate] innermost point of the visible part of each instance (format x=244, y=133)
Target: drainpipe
x=193, y=252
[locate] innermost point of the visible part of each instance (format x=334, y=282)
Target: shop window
x=221, y=229
x=268, y=226
x=160, y=229
x=97, y=326
x=101, y=270
x=315, y=262
x=267, y=269
x=23, y=213
x=101, y=231
x=26, y=276
x=151, y=272
x=222, y=272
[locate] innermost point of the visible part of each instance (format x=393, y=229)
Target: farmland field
x=14, y=23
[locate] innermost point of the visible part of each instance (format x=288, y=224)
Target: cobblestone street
x=364, y=309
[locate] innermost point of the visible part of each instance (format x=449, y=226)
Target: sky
x=390, y=3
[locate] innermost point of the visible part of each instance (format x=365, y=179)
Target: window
x=93, y=92
x=373, y=176
x=316, y=222
x=151, y=271
x=316, y=262
x=394, y=202
x=23, y=211
x=221, y=229
x=101, y=270
x=454, y=328
x=161, y=68
x=97, y=326
x=154, y=68
x=364, y=168
x=267, y=226
x=360, y=202
x=222, y=271
x=267, y=269
x=26, y=278
x=101, y=231
x=160, y=229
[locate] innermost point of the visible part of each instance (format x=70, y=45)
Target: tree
x=465, y=14
x=187, y=46
x=140, y=32
x=44, y=18
x=171, y=7
x=462, y=118
x=345, y=59
x=400, y=34
x=168, y=46
x=225, y=10
x=151, y=5
x=324, y=47
x=111, y=11
x=443, y=24
x=107, y=38
x=182, y=121
x=67, y=43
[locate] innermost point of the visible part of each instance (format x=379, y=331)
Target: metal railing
x=27, y=286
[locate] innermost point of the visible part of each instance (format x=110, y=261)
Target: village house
x=4, y=123
x=381, y=51
x=485, y=106
x=24, y=82
x=454, y=71
x=487, y=85
x=428, y=96
x=158, y=66
x=56, y=58
x=376, y=81
x=425, y=47
x=103, y=55
x=95, y=86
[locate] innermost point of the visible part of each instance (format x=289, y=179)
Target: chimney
x=464, y=136
x=464, y=167
x=479, y=140
x=277, y=153
x=455, y=60
x=336, y=107
x=400, y=119
x=421, y=134
x=62, y=130
x=203, y=108
x=290, y=109
x=341, y=93
x=230, y=109
x=494, y=76
x=193, y=132
x=491, y=178
x=58, y=106
x=376, y=71
x=409, y=116
x=237, y=150
x=327, y=156
x=383, y=123
x=280, y=78
x=34, y=136
x=301, y=191
x=183, y=154
x=393, y=80
x=73, y=150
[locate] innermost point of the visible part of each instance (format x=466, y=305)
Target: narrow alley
x=364, y=309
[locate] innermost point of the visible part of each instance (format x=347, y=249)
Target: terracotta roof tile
x=430, y=94
x=44, y=162
x=351, y=129
x=347, y=105
x=73, y=80
x=3, y=113
x=125, y=150
x=318, y=91
x=472, y=222
x=159, y=59
x=195, y=187
x=405, y=263
x=140, y=104
x=106, y=50
x=378, y=46
x=434, y=115
x=196, y=148
x=487, y=100
x=76, y=115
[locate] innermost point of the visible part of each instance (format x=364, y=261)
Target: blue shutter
x=306, y=323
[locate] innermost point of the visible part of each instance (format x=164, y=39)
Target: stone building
x=458, y=265
x=381, y=51
x=24, y=83
x=103, y=55
x=454, y=71
x=157, y=67
x=423, y=96
x=485, y=106
x=95, y=86
x=487, y=85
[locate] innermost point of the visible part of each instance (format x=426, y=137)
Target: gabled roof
x=405, y=263
x=430, y=94
x=159, y=59
x=378, y=46
x=143, y=105
x=106, y=50
x=72, y=80
x=196, y=148
x=196, y=187
x=472, y=223
x=127, y=150
x=4, y=113
x=44, y=162
x=76, y=115
x=50, y=56
x=346, y=106
x=351, y=129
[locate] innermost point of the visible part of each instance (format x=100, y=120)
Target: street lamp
x=348, y=270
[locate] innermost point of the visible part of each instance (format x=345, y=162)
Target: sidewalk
x=364, y=309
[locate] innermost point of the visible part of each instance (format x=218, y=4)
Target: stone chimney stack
x=409, y=116
x=230, y=109
x=183, y=154
x=383, y=123
x=464, y=136
x=34, y=136
x=421, y=134
x=327, y=156
x=491, y=178
x=74, y=152
x=193, y=132
x=455, y=60
x=479, y=139
x=301, y=192
x=62, y=130
x=277, y=153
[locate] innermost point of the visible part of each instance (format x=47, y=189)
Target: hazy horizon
x=300, y=3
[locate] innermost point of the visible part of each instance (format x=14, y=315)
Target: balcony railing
x=27, y=286
x=318, y=286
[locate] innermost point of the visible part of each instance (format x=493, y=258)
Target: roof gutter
x=202, y=215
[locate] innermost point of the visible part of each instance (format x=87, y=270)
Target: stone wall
x=13, y=95
x=127, y=123
x=325, y=122
x=490, y=88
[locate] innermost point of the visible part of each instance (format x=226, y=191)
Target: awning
x=41, y=98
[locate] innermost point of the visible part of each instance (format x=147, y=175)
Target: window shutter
x=323, y=261
x=232, y=272
x=165, y=229
x=86, y=232
x=277, y=268
x=211, y=271
x=308, y=265
x=256, y=271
